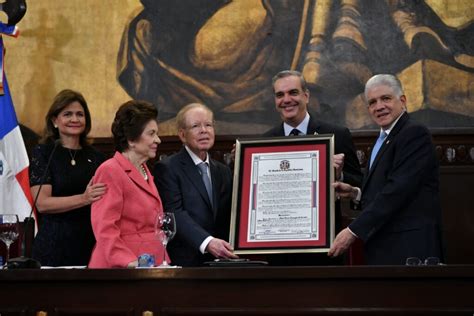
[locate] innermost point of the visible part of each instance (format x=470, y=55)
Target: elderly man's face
x=384, y=107
x=290, y=100
x=198, y=134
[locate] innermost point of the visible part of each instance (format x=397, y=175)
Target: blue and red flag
x=15, y=196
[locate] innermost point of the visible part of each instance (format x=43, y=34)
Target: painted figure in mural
x=223, y=53
x=63, y=166
x=425, y=43
x=220, y=53
x=291, y=97
x=401, y=213
x=198, y=189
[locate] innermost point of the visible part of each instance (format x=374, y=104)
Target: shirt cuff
x=359, y=195
x=204, y=244
x=350, y=231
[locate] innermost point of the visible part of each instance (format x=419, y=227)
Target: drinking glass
x=165, y=230
x=9, y=231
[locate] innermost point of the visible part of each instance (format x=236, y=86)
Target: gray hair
x=181, y=116
x=289, y=73
x=384, y=80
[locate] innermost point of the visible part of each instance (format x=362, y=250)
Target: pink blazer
x=123, y=219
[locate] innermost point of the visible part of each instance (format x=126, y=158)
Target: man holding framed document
x=291, y=101
x=198, y=190
x=399, y=198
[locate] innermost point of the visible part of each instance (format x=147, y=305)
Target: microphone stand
x=33, y=207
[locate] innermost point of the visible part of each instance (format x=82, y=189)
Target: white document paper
x=284, y=197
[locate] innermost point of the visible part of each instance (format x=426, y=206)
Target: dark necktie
x=294, y=132
x=377, y=146
x=205, y=178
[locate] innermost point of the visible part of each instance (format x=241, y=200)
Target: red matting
x=321, y=207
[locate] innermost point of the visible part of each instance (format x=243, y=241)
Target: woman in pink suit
x=123, y=220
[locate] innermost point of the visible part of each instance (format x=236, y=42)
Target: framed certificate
x=283, y=201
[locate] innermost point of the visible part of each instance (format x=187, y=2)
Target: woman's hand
x=94, y=192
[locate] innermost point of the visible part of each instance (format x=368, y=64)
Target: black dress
x=64, y=239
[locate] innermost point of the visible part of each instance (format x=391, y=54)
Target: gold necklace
x=73, y=160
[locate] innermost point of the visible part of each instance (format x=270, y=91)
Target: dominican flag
x=15, y=196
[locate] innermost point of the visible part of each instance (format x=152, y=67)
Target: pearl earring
x=55, y=126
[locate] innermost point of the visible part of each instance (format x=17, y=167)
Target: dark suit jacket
x=352, y=174
x=182, y=190
x=343, y=144
x=401, y=211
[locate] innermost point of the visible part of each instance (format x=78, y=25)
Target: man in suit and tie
x=199, y=191
x=399, y=198
x=291, y=101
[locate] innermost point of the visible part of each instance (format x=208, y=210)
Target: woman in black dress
x=65, y=236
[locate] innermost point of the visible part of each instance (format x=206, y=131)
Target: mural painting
x=224, y=53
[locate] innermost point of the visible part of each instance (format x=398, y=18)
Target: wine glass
x=165, y=230
x=8, y=231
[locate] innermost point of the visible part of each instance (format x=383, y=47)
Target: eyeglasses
x=198, y=126
x=430, y=261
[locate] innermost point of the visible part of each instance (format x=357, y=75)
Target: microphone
x=22, y=262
